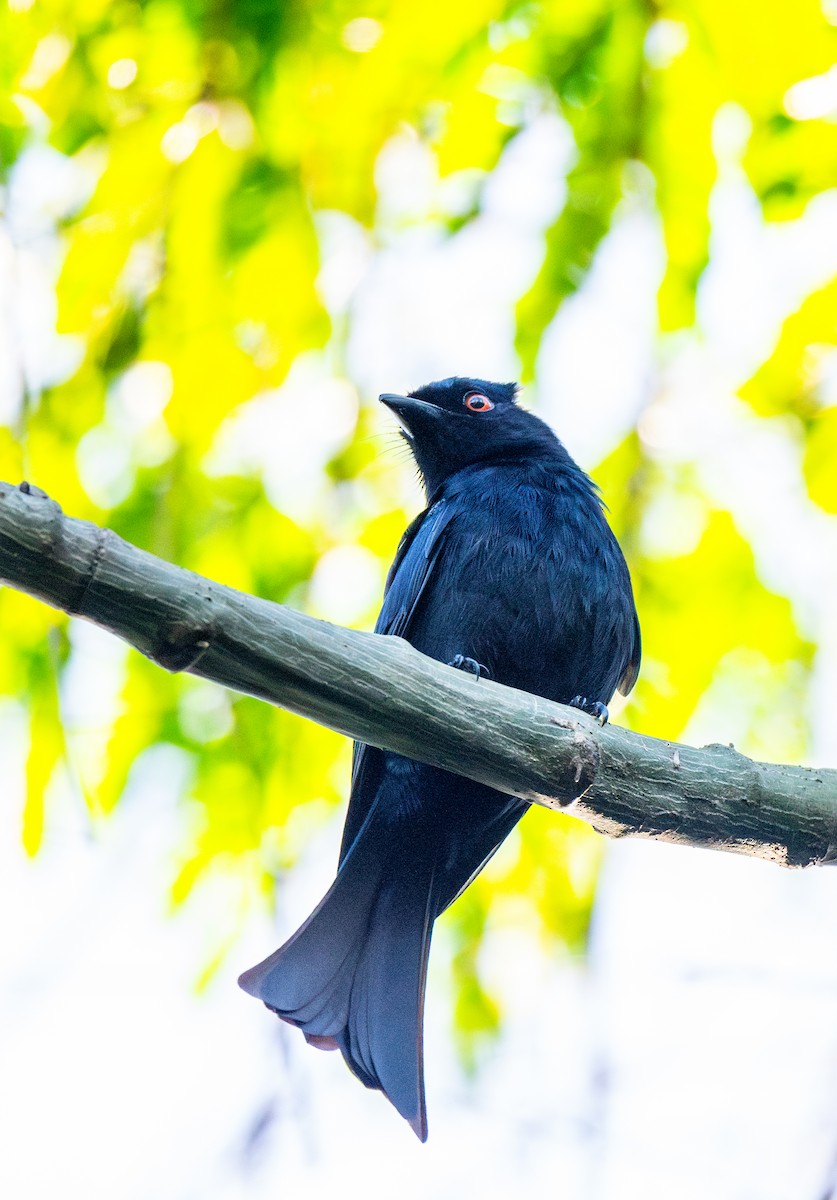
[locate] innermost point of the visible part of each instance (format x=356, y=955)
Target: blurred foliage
x=207, y=140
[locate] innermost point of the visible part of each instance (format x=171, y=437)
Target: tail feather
x=383, y=1037
x=299, y=978
x=355, y=971
x=357, y=1045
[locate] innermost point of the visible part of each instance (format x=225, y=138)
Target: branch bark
x=382, y=691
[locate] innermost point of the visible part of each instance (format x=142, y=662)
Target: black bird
x=512, y=572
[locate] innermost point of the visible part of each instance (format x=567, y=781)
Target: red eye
x=476, y=402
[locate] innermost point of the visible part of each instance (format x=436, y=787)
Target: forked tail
x=354, y=974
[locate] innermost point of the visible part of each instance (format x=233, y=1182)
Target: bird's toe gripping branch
x=594, y=708
x=462, y=663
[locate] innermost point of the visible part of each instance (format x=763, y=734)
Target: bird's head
x=458, y=422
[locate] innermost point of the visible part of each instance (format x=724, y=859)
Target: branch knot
x=182, y=646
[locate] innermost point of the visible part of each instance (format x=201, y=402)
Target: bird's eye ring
x=477, y=402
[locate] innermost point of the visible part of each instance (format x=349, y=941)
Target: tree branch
x=382, y=691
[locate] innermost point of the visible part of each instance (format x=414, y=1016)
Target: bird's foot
x=594, y=708
x=470, y=664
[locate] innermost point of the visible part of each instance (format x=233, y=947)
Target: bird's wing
x=411, y=569
x=632, y=669
x=408, y=576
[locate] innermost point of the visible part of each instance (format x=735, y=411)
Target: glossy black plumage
x=511, y=564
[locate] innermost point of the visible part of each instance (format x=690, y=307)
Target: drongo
x=512, y=572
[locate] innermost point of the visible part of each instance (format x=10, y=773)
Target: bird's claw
x=462, y=663
x=594, y=708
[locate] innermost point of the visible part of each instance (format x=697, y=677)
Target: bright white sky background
x=695, y=1054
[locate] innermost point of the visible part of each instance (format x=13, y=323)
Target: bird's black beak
x=406, y=409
